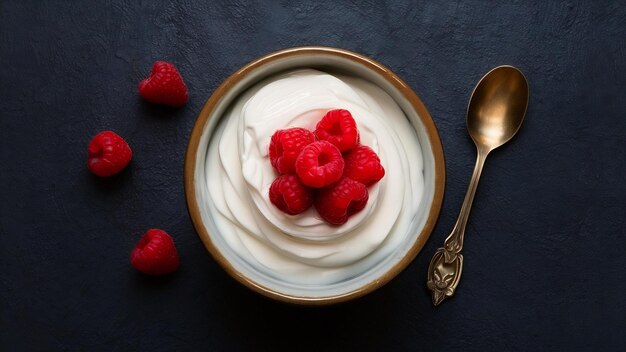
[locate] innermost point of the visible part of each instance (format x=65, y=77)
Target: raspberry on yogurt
x=319, y=164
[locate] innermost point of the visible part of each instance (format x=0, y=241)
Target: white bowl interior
x=329, y=63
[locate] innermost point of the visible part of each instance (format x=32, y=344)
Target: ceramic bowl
x=330, y=60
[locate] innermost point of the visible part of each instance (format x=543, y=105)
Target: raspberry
x=363, y=165
x=337, y=203
x=108, y=154
x=339, y=128
x=290, y=195
x=286, y=145
x=164, y=86
x=319, y=164
x=155, y=254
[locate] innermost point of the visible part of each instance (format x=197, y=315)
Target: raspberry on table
x=339, y=128
x=319, y=164
x=155, y=253
x=335, y=204
x=363, y=165
x=288, y=194
x=164, y=86
x=108, y=154
x=286, y=145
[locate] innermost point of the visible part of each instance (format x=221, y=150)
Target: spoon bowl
x=497, y=107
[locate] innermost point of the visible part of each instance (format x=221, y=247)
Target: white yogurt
x=304, y=249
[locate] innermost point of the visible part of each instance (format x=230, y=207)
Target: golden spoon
x=495, y=113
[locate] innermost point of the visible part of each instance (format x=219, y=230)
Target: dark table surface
x=545, y=250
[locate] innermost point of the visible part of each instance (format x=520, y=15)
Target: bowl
x=328, y=60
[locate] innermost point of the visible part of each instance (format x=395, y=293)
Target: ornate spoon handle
x=444, y=271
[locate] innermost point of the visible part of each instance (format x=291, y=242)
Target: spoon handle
x=454, y=242
x=444, y=271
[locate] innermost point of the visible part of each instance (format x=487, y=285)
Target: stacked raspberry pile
x=327, y=168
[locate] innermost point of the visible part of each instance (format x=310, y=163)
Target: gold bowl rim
x=377, y=68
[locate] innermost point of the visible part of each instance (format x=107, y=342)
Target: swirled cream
x=304, y=248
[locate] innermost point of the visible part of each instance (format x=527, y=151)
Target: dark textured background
x=545, y=251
